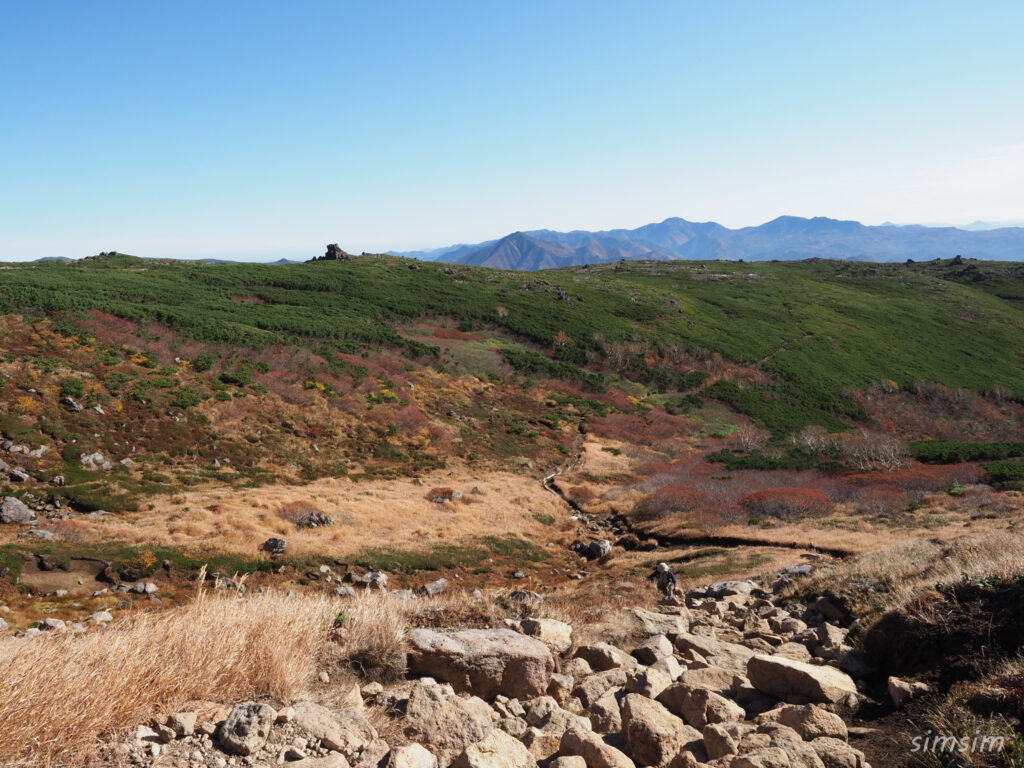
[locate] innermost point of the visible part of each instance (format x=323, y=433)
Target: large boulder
x=496, y=750
x=247, y=727
x=660, y=623
x=593, y=749
x=12, y=510
x=484, y=662
x=448, y=723
x=346, y=731
x=718, y=652
x=808, y=720
x=788, y=680
x=654, y=736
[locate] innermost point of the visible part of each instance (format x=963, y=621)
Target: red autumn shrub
x=881, y=501
x=787, y=503
x=440, y=495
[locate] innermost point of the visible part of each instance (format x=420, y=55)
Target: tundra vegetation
x=460, y=429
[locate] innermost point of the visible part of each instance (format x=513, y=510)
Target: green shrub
x=956, y=451
x=72, y=387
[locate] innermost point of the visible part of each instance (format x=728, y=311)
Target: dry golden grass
x=908, y=567
x=59, y=695
x=368, y=514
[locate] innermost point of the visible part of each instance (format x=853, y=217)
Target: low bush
x=787, y=503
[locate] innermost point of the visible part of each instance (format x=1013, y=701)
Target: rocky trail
x=728, y=676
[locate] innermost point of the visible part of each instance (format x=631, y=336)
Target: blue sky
x=257, y=129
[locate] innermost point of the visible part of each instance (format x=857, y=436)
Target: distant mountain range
x=784, y=238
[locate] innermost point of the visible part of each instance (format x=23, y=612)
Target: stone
x=12, y=510
x=182, y=723
x=661, y=623
x=435, y=587
x=275, y=546
x=596, y=549
x=670, y=666
x=448, y=723
x=592, y=687
x=606, y=712
x=496, y=750
x=560, y=687
x=717, y=679
x=648, y=681
x=556, y=635
x=484, y=662
x=604, y=656
x=542, y=744
x=653, y=649
x=830, y=635
x=343, y=591
x=718, y=741
x=570, y=761
x=786, y=679
x=768, y=757
x=333, y=760
x=835, y=753
x=345, y=731
x=53, y=625
x=577, y=667
x=808, y=720
x=246, y=729
x=654, y=736
x=722, y=589
x=902, y=691
x=544, y=712
x=374, y=755
x=411, y=756
x=701, y=706
x=717, y=652
x=593, y=749
x=794, y=651
x=95, y=461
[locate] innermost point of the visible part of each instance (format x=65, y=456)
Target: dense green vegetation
x=1005, y=471
x=814, y=328
x=954, y=451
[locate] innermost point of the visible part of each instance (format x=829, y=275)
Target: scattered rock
x=247, y=728
x=435, y=587
x=347, y=731
x=275, y=546
x=13, y=510
x=902, y=691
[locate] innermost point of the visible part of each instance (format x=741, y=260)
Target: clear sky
x=263, y=129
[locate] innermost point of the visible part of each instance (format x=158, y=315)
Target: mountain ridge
x=785, y=238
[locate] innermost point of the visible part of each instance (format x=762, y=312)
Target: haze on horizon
x=257, y=131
